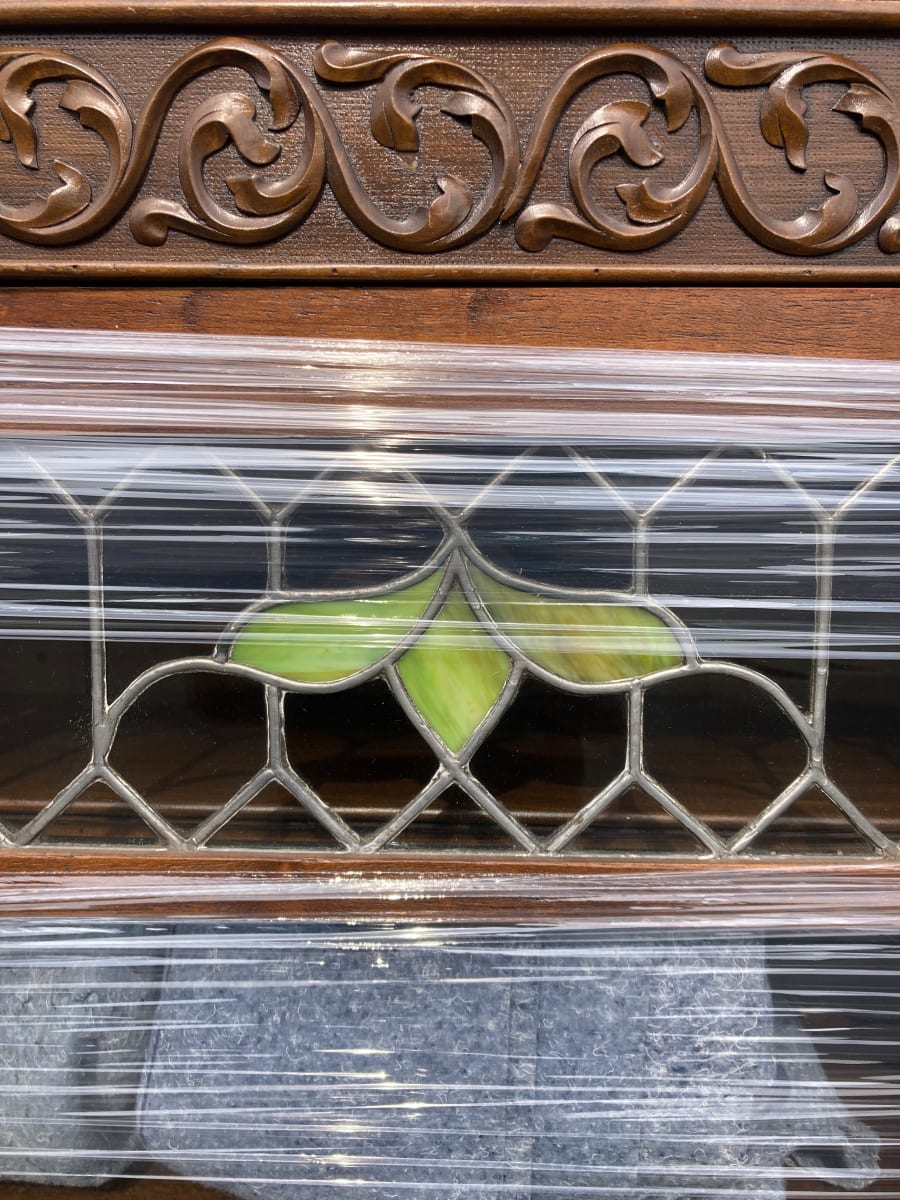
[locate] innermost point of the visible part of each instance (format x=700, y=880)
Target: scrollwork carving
x=71, y=211
x=282, y=131
x=841, y=219
x=653, y=213
x=265, y=210
x=454, y=216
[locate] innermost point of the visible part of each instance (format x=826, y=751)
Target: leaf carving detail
x=281, y=179
x=783, y=123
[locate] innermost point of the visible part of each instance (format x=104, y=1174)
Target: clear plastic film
x=515, y=734
x=377, y=597
x=377, y=1059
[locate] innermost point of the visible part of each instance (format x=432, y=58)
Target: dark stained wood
x=875, y=15
x=841, y=323
x=807, y=893
x=22, y=272
x=157, y=1185
x=511, y=156
x=816, y=322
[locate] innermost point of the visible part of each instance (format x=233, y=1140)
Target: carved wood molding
x=764, y=15
x=235, y=145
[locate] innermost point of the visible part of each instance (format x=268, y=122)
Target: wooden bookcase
x=492, y=218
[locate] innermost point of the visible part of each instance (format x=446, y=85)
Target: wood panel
x=818, y=322
x=853, y=15
x=812, y=893
x=328, y=150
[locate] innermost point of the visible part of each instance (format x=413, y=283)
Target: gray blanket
x=286, y=1060
x=77, y=1006
x=508, y=1065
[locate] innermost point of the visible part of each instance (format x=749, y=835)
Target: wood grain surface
x=856, y=15
x=325, y=150
x=436, y=887
x=841, y=322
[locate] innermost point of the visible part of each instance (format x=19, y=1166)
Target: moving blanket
x=77, y=1005
x=516, y=1064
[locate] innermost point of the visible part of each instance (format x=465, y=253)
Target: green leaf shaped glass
x=325, y=641
x=580, y=641
x=455, y=673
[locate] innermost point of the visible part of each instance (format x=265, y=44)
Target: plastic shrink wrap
x=521, y=689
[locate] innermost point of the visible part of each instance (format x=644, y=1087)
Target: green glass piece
x=322, y=641
x=454, y=673
x=579, y=641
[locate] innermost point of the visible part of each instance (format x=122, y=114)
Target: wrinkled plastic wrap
x=390, y=1060
x=526, y=721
